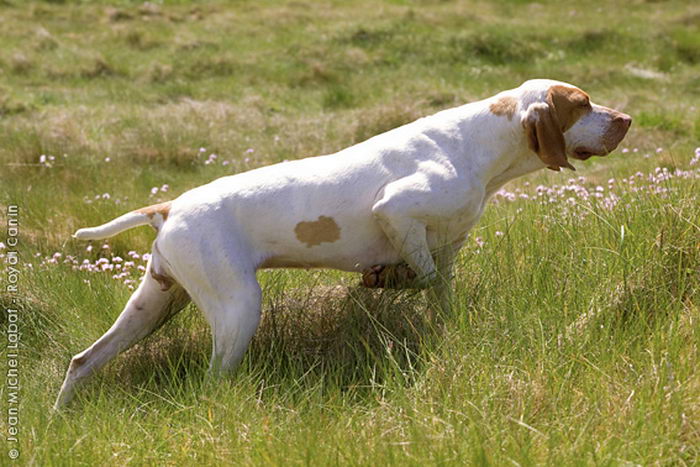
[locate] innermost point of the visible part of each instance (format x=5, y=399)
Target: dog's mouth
x=583, y=153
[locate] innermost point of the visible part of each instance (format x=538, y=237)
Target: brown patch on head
x=569, y=104
x=325, y=229
x=161, y=208
x=504, y=106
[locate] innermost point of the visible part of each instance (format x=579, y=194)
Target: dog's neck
x=519, y=163
x=499, y=155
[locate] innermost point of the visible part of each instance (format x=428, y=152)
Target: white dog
x=407, y=197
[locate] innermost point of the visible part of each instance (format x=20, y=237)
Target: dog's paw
x=372, y=278
x=398, y=276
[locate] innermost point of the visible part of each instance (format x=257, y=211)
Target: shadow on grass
x=347, y=338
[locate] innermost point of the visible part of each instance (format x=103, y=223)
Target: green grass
x=574, y=338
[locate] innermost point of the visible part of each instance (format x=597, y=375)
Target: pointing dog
x=396, y=207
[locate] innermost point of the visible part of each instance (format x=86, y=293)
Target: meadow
x=576, y=324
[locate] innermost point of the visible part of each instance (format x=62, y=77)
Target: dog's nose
x=623, y=120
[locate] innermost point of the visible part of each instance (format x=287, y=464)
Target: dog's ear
x=568, y=104
x=545, y=136
x=545, y=123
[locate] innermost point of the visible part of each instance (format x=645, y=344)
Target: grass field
x=574, y=338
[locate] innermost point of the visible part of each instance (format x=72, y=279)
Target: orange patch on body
x=505, y=106
x=161, y=208
x=325, y=229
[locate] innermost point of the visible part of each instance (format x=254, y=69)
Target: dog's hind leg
x=217, y=267
x=154, y=301
x=233, y=312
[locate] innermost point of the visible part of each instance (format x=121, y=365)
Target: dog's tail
x=154, y=216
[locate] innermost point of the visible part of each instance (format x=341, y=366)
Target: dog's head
x=561, y=122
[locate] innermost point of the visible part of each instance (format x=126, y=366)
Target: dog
x=396, y=207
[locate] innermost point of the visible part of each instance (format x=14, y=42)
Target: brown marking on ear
x=569, y=104
x=504, y=106
x=161, y=208
x=545, y=138
x=325, y=229
x=165, y=281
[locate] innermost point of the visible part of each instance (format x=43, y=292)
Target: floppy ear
x=545, y=136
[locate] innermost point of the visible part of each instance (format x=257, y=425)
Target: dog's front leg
x=408, y=236
x=441, y=291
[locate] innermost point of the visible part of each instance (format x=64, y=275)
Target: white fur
x=113, y=227
x=408, y=195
